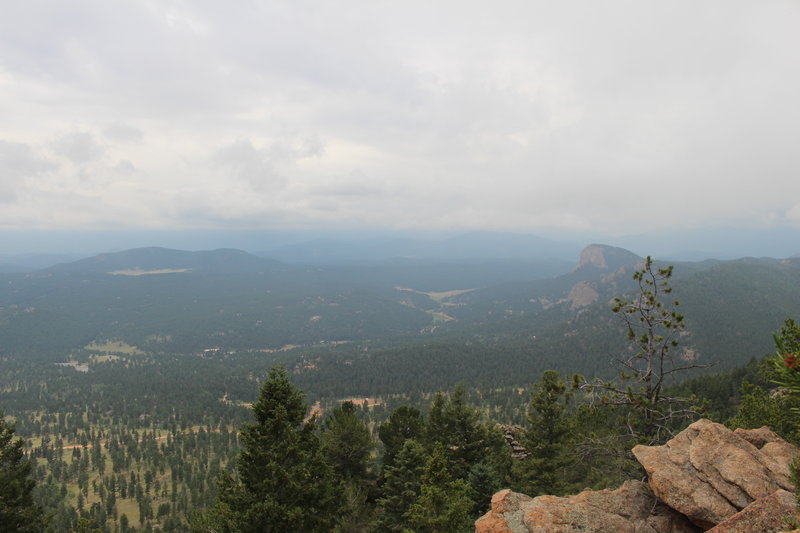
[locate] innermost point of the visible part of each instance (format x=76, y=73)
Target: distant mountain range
x=369, y=246
x=477, y=246
x=154, y=259
x=7, y=268
x=471, y=247
x=164, y=300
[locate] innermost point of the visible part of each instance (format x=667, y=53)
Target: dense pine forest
x=384, y=434
x=116, y=450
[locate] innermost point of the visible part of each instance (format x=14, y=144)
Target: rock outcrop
x=709, y=473
x=706, y=478
x=505, y=515
x=763, y=515
x=632, y=508
x=769, y=443
x=607, y=259
x=582, y=294
x=593, y=255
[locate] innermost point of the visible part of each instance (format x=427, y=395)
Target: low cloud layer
x=527, y=116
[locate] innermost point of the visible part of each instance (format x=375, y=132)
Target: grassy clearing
x=77, y=365
x=439, y=317
x=444, y=295
x=438, y=297
x=284, y=348
x=137, y=272
x=113, y=347
x=361, y=402
x=103, y=358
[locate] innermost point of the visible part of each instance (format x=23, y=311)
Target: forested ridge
x=132, y=438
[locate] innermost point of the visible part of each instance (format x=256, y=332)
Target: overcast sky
x=526, y=116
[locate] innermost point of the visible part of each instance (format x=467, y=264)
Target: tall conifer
x=282, y=482
x=18, y=513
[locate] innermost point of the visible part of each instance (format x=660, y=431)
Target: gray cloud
x=260, y=167
x=356, y=184
x=78, y=147
x=525, y=115
x=125, y=167
x=17, y=162
x=123, y=133
x=245, y=162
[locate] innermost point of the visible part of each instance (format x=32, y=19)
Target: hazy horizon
x=719, y=243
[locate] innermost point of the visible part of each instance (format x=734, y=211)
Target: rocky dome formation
x=607, y=258
x=707, y=478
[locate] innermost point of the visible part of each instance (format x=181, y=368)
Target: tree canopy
x=282, y=482
x=18, y=512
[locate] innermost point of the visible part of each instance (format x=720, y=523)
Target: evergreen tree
x=347, y=443
x=404, y=423
x=444, y=504
x=437, y=427
x=400, y=487
x=760, y=407
x=484, y=480
x=777, y=410
x=465, y=437
x=18, y=512
x=283, y=482
x=547, y=438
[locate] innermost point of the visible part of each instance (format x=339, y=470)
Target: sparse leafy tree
x=653, y=327
x=86, y=526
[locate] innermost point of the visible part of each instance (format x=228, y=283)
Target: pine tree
x=444, y=504
x=282, y=481
x=400, y=489
x=760, y=406
x=404, y=423
x=546, y=439
x=484, y=481
x=654, y=327
x=347, y=443
x=18, y=512
x=465, y=437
